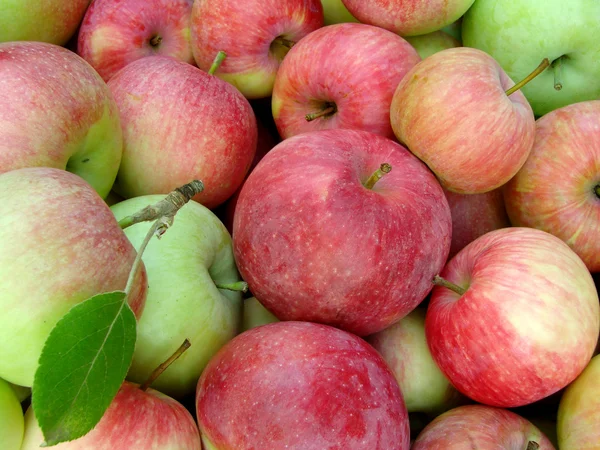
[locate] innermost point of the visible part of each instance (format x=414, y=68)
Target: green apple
x=22, y=392
x=255, y=314
x=334, y=11
x=185, y=269
x=430, y=43
x=11, y=418
x=520, y=34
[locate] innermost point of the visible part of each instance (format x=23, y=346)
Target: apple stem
x=167, y=207
x=161, y=368
x=557, y=67
x=283, y=41
x=376, y=176
x=439, y=281
x=217, y=62
x=543, y=65
x=157, y=228
x=532, y=445
x=238, y=286
x=156, y=40
x=324, y=112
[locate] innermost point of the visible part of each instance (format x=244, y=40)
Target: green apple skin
x=520, y=34
x=579, y=411
x=430, y=43
x=12, y=422
x=183, y=300
x=22, y=392
x=334, y=11
x=255, y=314
x=454, y=29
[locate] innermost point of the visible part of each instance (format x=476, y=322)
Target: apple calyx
x=156, y=40
x=557, y=67
x=280, y=46
x=280, y=40
x=329, y=110
x=597, y=190
x=221, y=55
x=539, y=69
x=532, y=445
x=162, y=367
x=439, y=281
x=377, y=175
x=238, y=286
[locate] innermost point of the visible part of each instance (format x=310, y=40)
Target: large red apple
x=315, y=243
x=341, y=76
x=523, y=322
x=300, y=385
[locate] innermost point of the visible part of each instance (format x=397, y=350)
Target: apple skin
x=483, y=427
x=314, y=244
x=245, y=30
x=408, y=17
x=114, y=34
x=300, y=385
x=430, y=43
x=470, y=152
x=183, y=301
x=520, y=34
x=179, y=124
x=52, y=21
x=354, y=66
x=579, y=411
x=56, y=111
x=527, y=324
x=558, y=188
x=135, y=419
x=46, y=267
x=334, y=11
x=255, y=314
x=11, y=418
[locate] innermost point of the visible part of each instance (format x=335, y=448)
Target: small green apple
x=11, y=418
x=334, y=11
x=430, y=43
x=255, y=314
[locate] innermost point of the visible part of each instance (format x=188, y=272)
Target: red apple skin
x=483, y=428
x=179, y=124
x=115, y=33
x=452, y=112
x=314, y=244
x=354, y=66
x=300, y=385
x=558, y=188
x=135, y=419
x=527, y=324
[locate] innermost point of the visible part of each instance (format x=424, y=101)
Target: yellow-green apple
x=136, y=419
x=180, y=124
x=53, y=21
x=404, y=347
x=408, y=17
x=579, y=411
x=11, y=418
x=56, y=111
x=478, y=149
x=558, y=188
x=59, y=245
x=186, y=270
x=334, y=11
x=115, y=33
x=317, y=239
x=22, y=392
x=520, y=34
x=300, y=385
x=430, y=43
x=255, y=314
x=515, y=318
x=483, y=428
x=353, y=89
x=255, y=34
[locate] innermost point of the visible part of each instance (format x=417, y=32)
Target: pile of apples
x=417, y=230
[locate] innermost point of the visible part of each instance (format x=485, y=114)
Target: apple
x=430, y=43
x=180, y=124
x=22, y=392
x=300, y=385
x=519, y=34
x=317, y=239
x=579, y=411
x=408, y=17
x=52, y=21
x=255, y=314
x=334, y=11
x=255, y=34
x=186, y=269
x=11, y=418
x=437, y=112
x=59, y=245
x=56, y=111
x=483, y=428
x=558, y=188
x=341, y=76
x=518, y=319
x=135, y=419
x=115, y=33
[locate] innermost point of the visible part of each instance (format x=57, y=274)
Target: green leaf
x=82, y=366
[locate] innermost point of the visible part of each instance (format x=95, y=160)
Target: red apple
x=180, y=124
x=341, y=76
x=115, y=33
x=452, y=112
x=255, y=34
x=523, y=322
x=300, y=385
x=315, y=243
x=558, y=188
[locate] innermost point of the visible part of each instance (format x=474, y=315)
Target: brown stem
x=238, y=286
x=156, y=40
x=376, y=176
x=156, y=228
x=217, y=62
x=543, y=65
x=532, y=445
x=439, y=281
x=324, y=112
x=557, y=67
x=161, y=368
x=283, y=42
